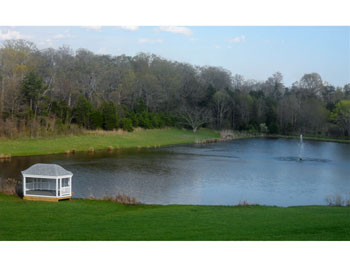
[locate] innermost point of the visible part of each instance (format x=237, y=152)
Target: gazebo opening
x=47, y=182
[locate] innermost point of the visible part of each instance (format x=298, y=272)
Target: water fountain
x=301, y=148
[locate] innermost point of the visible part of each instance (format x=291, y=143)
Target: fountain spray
x=301, y=148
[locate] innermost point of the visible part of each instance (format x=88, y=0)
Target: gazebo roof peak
x=44, y=169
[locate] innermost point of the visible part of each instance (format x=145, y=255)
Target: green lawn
x=105, y=220
x=101, y=140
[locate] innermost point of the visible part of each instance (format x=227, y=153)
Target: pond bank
x=114, y=140
x=106, y=220
x=97, y=140
x=326, y=139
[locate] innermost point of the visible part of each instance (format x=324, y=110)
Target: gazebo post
x=24, y=185
x=56, y=187
x=70, y=185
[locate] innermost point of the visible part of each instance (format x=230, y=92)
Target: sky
x=254, y=52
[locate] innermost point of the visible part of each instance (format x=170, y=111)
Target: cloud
x=217, y=47
x=95, y=28
x=177, y=30
x=149, y=41
x=46, y=42
x=129, y=28
x=238, y=39
x=60, y=36
x=102, y=50
x=11, y=34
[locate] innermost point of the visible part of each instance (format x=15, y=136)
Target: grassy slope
x=104, y=220
x=100, y=140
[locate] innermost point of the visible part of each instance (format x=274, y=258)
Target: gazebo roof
x=41, y=169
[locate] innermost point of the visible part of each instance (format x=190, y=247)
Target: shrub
x=82, y=111
x=96, y=120
x=144, y=121
x=109, y=116
x=273, y=128
x=134, y=119
x=246, y=203
x=11, y=187
x=123, y=199
x=263, y=128
x=127, y=124
x=337, y=200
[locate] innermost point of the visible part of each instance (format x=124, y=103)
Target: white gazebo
x=47, y=182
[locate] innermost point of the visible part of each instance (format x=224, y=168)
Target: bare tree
x=221, y=103
x=194, y=116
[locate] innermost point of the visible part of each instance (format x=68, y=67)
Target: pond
x=263, y=171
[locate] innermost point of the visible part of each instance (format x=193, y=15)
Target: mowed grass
x=101, y=140
x=105, y=220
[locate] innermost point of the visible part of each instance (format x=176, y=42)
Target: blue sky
x=254, y=52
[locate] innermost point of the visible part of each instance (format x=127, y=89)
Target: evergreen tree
x=82, y=112
x=109, y=116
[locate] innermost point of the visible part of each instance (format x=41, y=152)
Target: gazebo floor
x=49, y=195
x=42, y=192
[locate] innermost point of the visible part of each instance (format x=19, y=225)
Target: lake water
x=263, y=171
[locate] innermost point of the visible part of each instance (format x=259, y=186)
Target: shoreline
x=325, y=139
x=91, y=141
x=101, y=140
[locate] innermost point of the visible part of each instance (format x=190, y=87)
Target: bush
x=134, y=119
x=337, y=200
x=144, y=121
x=121, y=198
x=96, y=120
x=273, y=128
x=109, y=116
x=11, y=187
x=252, y=130
x=127, y=124
x=82, y=111
x=263, y=128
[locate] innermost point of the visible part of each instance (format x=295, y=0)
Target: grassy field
x=105, y=220
x=101, y=140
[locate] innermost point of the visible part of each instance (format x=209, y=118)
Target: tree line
x=61, y=90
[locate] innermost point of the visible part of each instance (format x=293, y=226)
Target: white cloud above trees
x=12, y=34
x=238, y=39
x=176, y=30
x=129, y=28
x=95, y=28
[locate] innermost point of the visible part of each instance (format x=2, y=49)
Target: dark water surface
x=263, y=171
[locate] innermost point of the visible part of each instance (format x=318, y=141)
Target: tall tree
x=32, y=89
x=341, y=115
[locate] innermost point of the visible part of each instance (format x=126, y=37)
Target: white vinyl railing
x=53, y=186
x=65, y=191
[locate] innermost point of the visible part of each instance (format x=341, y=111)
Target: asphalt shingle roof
x=42, y=169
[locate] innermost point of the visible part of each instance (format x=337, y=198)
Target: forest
x=60, y=91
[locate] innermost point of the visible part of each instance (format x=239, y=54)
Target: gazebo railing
x=65, y=191
x=47, y=187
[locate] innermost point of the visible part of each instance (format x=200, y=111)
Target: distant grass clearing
x=101, y=140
